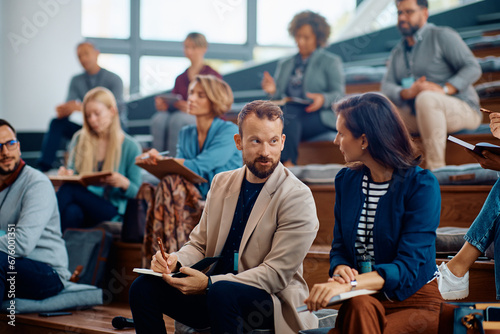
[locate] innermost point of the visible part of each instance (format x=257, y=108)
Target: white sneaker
x=451, y=286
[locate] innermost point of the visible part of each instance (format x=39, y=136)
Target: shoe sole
x=455, y=295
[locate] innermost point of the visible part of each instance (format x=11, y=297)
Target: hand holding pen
x=151, y=157
x=163, y=262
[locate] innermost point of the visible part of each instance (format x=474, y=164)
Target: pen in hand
x=162, y=249
x=164, y=153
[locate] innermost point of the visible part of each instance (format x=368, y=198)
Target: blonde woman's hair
x=218, y=93
x=84, y=153
x=198, y=39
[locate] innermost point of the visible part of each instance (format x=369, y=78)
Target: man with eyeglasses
x=33, y=257
x=429, y=78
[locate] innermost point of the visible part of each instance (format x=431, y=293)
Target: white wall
x=38, y=55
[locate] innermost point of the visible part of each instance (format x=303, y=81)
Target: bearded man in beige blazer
x=262, y=221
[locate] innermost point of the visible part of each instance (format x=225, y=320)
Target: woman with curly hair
x=313, y=74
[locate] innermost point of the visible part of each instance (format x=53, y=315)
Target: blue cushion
x=465, y=174
x=316, y=173
x=325, y=136
x=482, y=129
x=72, y=296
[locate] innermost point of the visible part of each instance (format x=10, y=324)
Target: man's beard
x=261, y=174
x=410, y=31
x=7, y=172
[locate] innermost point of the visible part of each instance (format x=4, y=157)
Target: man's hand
x=268, y=84
x=318, y=101
x=66, y=109
x=489, y=161
x=159, y=264
x=322, y=293
x=195, y=283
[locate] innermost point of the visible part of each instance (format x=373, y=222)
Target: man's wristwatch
x=446, y=90
x=354, y=284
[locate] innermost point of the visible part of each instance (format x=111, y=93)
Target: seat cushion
x=72, y=296
x=449, y=240
x=316, y=173
x=466, y=174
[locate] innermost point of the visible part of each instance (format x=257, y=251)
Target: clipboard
x=168, y=166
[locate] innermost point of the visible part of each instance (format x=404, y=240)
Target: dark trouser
x=299, y=126
x=228, y=307
x=418, y=313
x=79, y=207
x=32, y=279
x=59, y=129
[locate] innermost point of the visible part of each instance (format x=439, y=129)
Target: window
x=106, y=18
x=119, y=64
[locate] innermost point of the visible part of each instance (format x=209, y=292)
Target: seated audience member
x=206, y=148
x=100, y=146
x=313, y=74
x=454, y=280
x=61, y=128
x=169, y=120
x=429, y=77
x=261, y=220
x=386, y=214
x=29, y=221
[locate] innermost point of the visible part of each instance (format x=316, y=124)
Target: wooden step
x=96, y=320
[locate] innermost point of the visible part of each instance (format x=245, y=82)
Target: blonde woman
x=101, y=145
x=207, y=148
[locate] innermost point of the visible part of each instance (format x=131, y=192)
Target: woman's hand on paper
x=63, y=171
x=117, y=180
x=343, y=274
x=150, y=157
x=320, y=294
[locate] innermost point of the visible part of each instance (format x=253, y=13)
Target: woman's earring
x=362, y=147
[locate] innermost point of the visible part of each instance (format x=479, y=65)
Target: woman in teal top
x=206, y=148
x=101, y=145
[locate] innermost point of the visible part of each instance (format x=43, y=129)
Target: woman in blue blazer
x=387, y=210
x=313, y=74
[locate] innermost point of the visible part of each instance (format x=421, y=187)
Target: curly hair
x=318, y=23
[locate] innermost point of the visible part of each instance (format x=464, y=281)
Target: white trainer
x=451, y=286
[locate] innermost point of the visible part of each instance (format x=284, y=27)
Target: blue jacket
x=219, y=152
x=404, y=232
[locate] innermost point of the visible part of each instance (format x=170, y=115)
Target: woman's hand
x=65, y=172
x=318, y=101
x=495, y=124
x=343, y=274
x=117, y=180
x=160, y=104
x=149, y=158
x=268, y=84
x=322, y=293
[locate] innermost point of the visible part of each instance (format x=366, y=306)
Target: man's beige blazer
x=277, y=237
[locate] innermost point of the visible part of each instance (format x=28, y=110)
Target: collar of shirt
x=419, y=35
x=13, y=177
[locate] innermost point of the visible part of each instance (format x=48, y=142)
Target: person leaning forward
x=262, y=221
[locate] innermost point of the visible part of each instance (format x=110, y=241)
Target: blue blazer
x=219, y=152
x=404, y=233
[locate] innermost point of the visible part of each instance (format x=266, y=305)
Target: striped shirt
x=373, y=191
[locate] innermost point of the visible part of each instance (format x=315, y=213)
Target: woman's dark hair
x=317, y=22
x=373, y=115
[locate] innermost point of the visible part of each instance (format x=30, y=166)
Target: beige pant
x=436, y=116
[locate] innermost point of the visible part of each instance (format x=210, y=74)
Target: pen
x=487, y=111
x=161, y=248
x=164, y=153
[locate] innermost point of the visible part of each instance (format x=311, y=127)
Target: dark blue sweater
x=404, y=232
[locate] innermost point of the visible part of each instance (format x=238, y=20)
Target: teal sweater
x=127, y=167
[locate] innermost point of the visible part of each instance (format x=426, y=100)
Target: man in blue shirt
x=61, y=127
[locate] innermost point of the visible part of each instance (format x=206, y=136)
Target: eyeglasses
x=11, y=145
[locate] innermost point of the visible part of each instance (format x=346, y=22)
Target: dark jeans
x=299, y=126
x=79, y=207
x=228, y=307
x=60, y=129
x=32, y=279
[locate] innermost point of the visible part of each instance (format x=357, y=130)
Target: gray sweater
x=442, y=56
x=30, y=204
